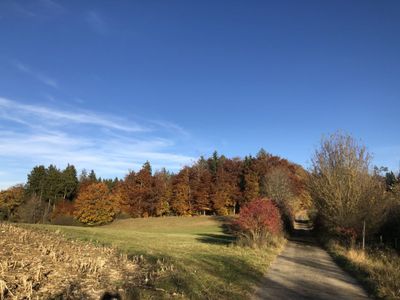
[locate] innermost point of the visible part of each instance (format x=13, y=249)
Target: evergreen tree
x=213, y=163
x=37, y=181
x=390, y=180
x=83, y=176
x=70, y=182
x=92, y=176
x=54, y=184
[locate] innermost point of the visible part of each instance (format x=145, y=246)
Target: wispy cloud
x=20, y=112
x=171, y=127
x=42, y=9
x=36, y=74
x=22, y=9
x=53, y=5
x=96, y=22
x=36, y=134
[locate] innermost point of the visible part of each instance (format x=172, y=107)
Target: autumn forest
x=212, y=186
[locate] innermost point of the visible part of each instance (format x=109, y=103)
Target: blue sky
x=109, y=84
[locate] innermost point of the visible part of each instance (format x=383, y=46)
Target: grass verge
x=378, y=270
x=191, y=257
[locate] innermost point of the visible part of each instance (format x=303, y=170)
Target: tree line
x=349, y=198
x=216, y=185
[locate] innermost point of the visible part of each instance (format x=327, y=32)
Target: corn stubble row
x=42, y=265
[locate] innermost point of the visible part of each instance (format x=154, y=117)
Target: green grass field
x=198, y=260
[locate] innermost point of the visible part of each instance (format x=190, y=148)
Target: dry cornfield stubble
x=41, y=265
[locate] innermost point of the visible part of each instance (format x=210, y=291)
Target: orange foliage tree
x=96, y=205
x=10, y=199
x=181, y=199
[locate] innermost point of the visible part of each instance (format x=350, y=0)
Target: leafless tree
x=344, y=191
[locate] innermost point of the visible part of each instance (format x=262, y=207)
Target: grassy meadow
x=191, y=257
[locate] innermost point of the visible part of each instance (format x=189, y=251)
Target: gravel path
x=306, y=271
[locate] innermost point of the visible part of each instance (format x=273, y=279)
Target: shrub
x=65, y=220
x=258, y=223
x=63, y=208
x=31, y=211
x=122, y=216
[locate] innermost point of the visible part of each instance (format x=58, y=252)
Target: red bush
x=258, y=221
x=347, y=235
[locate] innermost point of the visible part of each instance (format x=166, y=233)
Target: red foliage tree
x=201, y=182
x=181, y=199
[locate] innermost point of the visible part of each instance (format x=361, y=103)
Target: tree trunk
x=363, y=236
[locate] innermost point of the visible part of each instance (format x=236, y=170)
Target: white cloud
x=36, y=134
x=18, y=112
x=35, y=74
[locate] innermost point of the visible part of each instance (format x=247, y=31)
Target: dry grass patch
x=378, y=269
x=40, y=265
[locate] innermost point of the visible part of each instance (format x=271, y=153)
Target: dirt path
x=305, y=271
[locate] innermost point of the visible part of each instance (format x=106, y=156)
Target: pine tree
x=69, y=182
x=37, y=181
x=92, y=176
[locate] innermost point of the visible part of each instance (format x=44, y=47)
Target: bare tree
x=280, y=188
x=278, y=185
x=345, y=193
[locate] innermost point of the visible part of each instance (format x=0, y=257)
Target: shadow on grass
x=216, y=239
x=225, y=238
x=212, y=276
